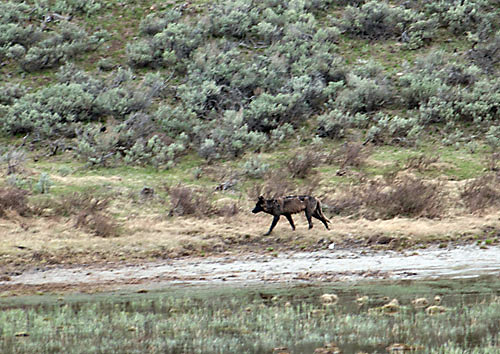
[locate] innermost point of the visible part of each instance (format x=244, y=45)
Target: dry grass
x=28, y=242
x=13, y=199
x=188, y=201
x=405, y=196
x=421, y=162
x=353, y=155
x=220, y=223
x=482, y=193
x=301, y=165
x=274, y=185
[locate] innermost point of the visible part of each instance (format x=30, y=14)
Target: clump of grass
x=481, y=193
x=186, y=201
x=349, y=155
x=97, y=222
x=407, y=196
x=421, y=162
x=92, y=215
x=90, y=211
x=275, y=185
x=228, y=209
x=13, y=199
x=493, y=162
x=302, y=164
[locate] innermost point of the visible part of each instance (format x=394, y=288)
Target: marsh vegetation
x=446, y=316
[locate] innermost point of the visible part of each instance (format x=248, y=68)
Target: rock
x=391, y=307
x=147, y=192
x=329, y=298
x=362, y=300
x=420, y=302
x=400, y=347
x=435, y=309
x=21, y=334
x=329, y=348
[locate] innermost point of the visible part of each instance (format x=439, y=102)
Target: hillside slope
x=143, y=129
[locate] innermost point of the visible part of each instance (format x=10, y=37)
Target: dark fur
x=290, y=205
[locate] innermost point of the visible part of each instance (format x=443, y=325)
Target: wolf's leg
x=290, y=220
x=321, y=218
x=273, y=224
x=308, y=216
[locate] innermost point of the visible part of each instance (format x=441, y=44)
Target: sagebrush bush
x=155, y=151
x=12, y=31
x=9, y=93
x=255, y=167
x=394, y=130
x=167, y=42
x=233, y=18
x=379, y=20
x=14, y=158
x=459, y=17
x=487, y=53
x=88, y=7
x=493, y=137
x=446, y=92
x=25, y=40
x=61, y=109
x=56, y=49
x=336, y=123
x=363, y=95
x=155, y=23
x=244, y=75
x=230, y=136
x=268, y=90
x=50, y=111
x=44, y=184
x=136, y=141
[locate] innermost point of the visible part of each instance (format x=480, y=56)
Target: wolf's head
x=261, y=203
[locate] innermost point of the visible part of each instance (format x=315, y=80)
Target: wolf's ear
x=261, y=199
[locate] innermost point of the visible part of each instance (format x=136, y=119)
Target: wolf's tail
x=320, y=212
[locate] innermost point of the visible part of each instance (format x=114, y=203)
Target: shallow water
x=331, y=265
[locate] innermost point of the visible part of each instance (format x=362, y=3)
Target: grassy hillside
x=143, y=129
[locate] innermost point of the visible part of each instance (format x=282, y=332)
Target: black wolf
x=290, y=205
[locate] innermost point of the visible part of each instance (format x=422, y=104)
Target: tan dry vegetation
x=146, y=232
x=28, y=242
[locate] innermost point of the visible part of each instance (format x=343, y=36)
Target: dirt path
x=331, y=265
